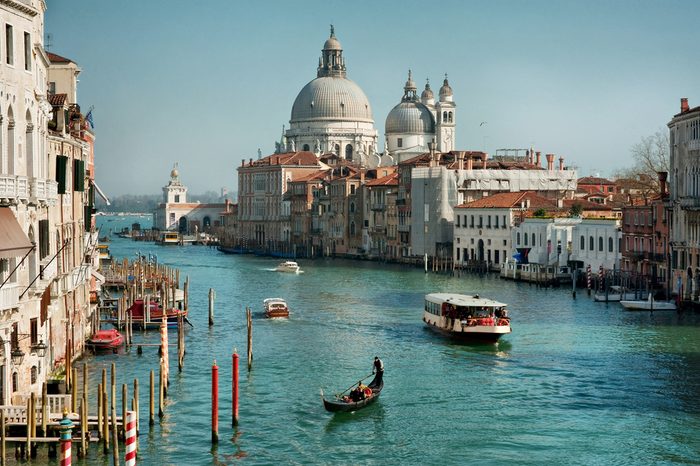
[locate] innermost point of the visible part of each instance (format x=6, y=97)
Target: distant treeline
x=148, y=202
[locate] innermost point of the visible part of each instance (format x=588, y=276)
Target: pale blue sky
x=207, y=83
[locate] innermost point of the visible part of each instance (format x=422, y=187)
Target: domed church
x=414, y=123
x=332, y=113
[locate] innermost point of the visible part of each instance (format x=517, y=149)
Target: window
x=352, y=207
x=471, y=221
x=517, y=239
x=305, y=148
x=9, y=45
x=14, y=382
x=352, y=189
x=61, y=170
x=600, y=243
x=43, y=238
x=457, y=223
x=525, y=238
x=27, y=52
x=496, y=220
x=488, y=222
x=610, y=244
x=52, y=87
x=33, y=375
x=591, y=243
x=352, y=228
x=34, y=331
x=533, y=239
x=177, y=198
x=399, y=142
x=504, y=222
x=481, y=221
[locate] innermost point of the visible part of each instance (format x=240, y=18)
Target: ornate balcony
x=9, y=296
x=13, y=189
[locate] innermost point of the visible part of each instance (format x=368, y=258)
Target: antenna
x=48, y=43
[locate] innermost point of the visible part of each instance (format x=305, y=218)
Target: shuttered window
x=78, y=175
x=43, y=238
x=61, y=168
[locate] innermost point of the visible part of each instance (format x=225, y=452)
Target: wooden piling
x=2, y=439
x=180, y=342
x=161, y=390
x=74, y=391
x=249, y=318
x=113, y=392
x=151, y=417
x=211, y=306
x=135, y=406
x=44, y=412
x=83, y=427
x=99, y=410
x=115, y=441
x=105, y=419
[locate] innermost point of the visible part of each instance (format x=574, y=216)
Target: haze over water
x=577, y=382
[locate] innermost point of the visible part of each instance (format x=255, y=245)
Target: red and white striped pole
x=130, y=458
x=600, y=278
x=588, y=279
x=65, y=427
x=235, y=388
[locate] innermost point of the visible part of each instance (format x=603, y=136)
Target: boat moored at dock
x=105, y=340
x=466, y=317
x=648, y=305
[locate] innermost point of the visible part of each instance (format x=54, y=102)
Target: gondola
x=340, y=405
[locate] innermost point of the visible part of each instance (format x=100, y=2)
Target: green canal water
x=577, y=382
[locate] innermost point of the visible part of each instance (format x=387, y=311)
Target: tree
x=576, y=210
x=540, y=213
x=650, y=155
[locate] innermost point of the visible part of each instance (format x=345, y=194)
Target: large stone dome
x=410, y=117
x=331, y=98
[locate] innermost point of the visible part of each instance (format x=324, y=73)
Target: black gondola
x=341, y=405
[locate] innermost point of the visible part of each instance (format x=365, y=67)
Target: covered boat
x=105, y=340
x=347, y=404
x=275, y=308
x=152, y=316
x=288, y=266
x=466, y=317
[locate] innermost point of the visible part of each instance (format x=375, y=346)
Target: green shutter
x=78, y=175
x=61, y=164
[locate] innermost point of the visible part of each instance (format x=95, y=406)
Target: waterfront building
x=602, y=187
x=684, y=197
x=302, y=193
x=460, y=177
x=379, y=207
x=414, y=122
x=332, y=113
x=596, y=242
x=264, y=207
x=176, y=214
x=484, y=229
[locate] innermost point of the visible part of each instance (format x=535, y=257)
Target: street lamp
x=17, y=356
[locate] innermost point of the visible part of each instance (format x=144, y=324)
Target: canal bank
x=576, y=382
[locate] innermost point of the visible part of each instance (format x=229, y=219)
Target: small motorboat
x=614, y=293
x=275, y=308
x=347, y=404
x=649, y=305
x=105, y=340
x=288, y=266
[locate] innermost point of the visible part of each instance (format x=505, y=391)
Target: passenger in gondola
x=358, y=394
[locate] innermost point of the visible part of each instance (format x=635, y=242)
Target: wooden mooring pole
x=212, y=294
x=249, y=319
x=151, y=417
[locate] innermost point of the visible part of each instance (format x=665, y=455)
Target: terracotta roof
x=594, y=180
x=585, y=205
x=691, y=110
x=58, y=59
x=315, y=176
x=288, y=158
x=57, y=100
x=389, y=180
x=510, y=200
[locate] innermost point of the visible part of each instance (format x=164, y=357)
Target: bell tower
x=175, y=192
x=445, y=118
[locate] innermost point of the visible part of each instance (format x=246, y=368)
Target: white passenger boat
x=615, y=293
x=466, y=317
x=288, y=266
x=649, y=305
x=275, y=308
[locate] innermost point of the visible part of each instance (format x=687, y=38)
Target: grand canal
x=576, y=382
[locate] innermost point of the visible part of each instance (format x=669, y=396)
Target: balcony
x=42, y=191
x=691, y=203
x=694, y=144
x=13, y=188
x=404, y=228
x=9, y=296
x=378, y=230
x=378, y=206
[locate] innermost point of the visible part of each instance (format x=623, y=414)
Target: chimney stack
x=362, y=176
x=486, y=156
x=470, y=163
x=684, y=105
x=550, y=162
x=538, y=160
x=561, y=163
x=460, y=160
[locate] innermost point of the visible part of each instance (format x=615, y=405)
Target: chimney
x=470, y=163
x=250, y=161
x=550, y=162
x=460, y=160
x=560, y=203
x=538, y=160
x=663, y=176
x=561, y=163
x=486, y=156
x=527, y=203
x=362, y=176
x=684, y=105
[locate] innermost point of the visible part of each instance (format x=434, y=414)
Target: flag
x=88, y=118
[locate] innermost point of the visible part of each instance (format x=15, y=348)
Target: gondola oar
x=188, y=321
x=337, y=395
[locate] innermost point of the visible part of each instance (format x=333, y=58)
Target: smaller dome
x=445, y=90
x=427, y=93
x=410, y=117
x=174, y=173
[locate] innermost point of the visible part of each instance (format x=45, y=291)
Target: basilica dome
x=410, y=117
x=331, y=98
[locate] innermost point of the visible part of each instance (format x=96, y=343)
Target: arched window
x=33, y=374
x=206, y=223
x=14, y=382
x=352, y=207
x=525, y=238
x=610, y=244
x=600, y=243
x=449, y=117
x=518, y=239
x=352, y=228
x=583, y=243
x=591, y=243
x=444, y=117
x=348, y=152
x=337, y=149
x=306, y=147
x=533, y=240
x=10, y=141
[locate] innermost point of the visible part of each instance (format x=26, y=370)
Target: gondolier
x=379, y=369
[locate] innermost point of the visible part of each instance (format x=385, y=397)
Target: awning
x=13, y=241
x=99, y=191
x=98, y=276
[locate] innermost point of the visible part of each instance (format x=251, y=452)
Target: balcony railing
x=404, y=228
x=14, y=187
x=380, y=206
x=690, y=202
x=9, y=296
x=378, y=229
